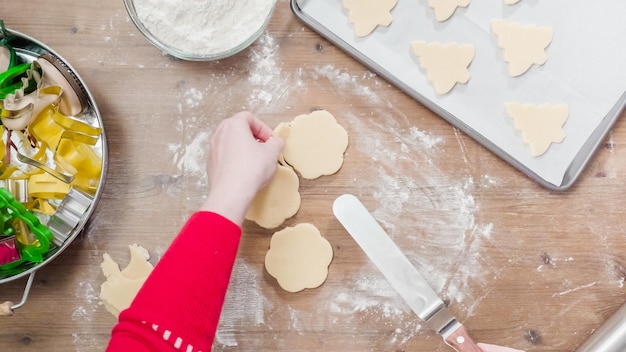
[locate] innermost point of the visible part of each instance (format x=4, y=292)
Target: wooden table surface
x=519, y=265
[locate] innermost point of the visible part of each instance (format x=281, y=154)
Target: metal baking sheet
x=29, y=49
x=585, y=69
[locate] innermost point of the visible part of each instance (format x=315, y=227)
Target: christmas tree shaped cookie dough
x=366, y=15
x=445, y=64
x=522, y=45
x=541, y=125
x=445, y=8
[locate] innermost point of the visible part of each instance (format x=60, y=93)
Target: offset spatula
x=399, y=271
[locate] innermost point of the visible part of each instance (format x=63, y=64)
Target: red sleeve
x=179, y=305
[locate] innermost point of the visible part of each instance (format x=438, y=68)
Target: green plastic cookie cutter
x=10, y=210
x=11, y=79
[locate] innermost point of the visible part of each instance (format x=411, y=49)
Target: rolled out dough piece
x=445, y=64
x=277, y=201
x=316, y=144
x=299, y=257
x=540, y=125
x=510, y=2
x=522, y=45
x=121, y=287
x=444, y=9
x=366, y=15
x=282, y=131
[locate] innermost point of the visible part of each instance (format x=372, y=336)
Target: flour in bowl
x=204, y=27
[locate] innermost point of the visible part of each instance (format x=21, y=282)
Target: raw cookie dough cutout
x=366, y=15
x=510, y=2
x=522, y=45
x=121, y=287
x=445, y=65
x=282, y=131
x=444, y=9
x=299, y=257
x=540, y=125
x=277, y=201
x=315, y=145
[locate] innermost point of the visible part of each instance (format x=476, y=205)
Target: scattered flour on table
x=190, y=157
x=270, y=87
x=445, y=242
x=88, y=298
x=88, y=303
x=345, y=81
x=245, y=303
x=85, y=342
x=193, y=97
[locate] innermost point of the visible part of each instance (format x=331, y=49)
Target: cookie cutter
x=29, y=49
x=12, y=210
x=23, y=78
x=68, y=214
x=61, y=225
x=18, y=189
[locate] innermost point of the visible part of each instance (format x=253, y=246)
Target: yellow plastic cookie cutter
x=83, y=161
x=71, y=140
x=46, y=186
x=51, y=126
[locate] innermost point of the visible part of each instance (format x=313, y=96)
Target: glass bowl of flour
x=200, y=30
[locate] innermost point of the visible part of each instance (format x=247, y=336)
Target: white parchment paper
x=586, y=67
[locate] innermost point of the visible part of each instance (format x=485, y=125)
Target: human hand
x=493, y=348
x=243, y=157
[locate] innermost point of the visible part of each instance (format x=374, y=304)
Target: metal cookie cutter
x=68, y=214
x=18, y=188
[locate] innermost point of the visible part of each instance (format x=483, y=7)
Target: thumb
x=275, y=144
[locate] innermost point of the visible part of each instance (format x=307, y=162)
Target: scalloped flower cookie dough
x=121, y=287
x=282, y=131
x=444, y=9
x=522, y=45
x=366, y=15
x=540, y=125
x=315, y=144
x=277, y=201
x=299, y=257
x=445, y=64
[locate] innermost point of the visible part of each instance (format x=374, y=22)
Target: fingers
x=275, y=144
x=259, y=129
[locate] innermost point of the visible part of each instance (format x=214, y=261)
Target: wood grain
x=519, y=265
